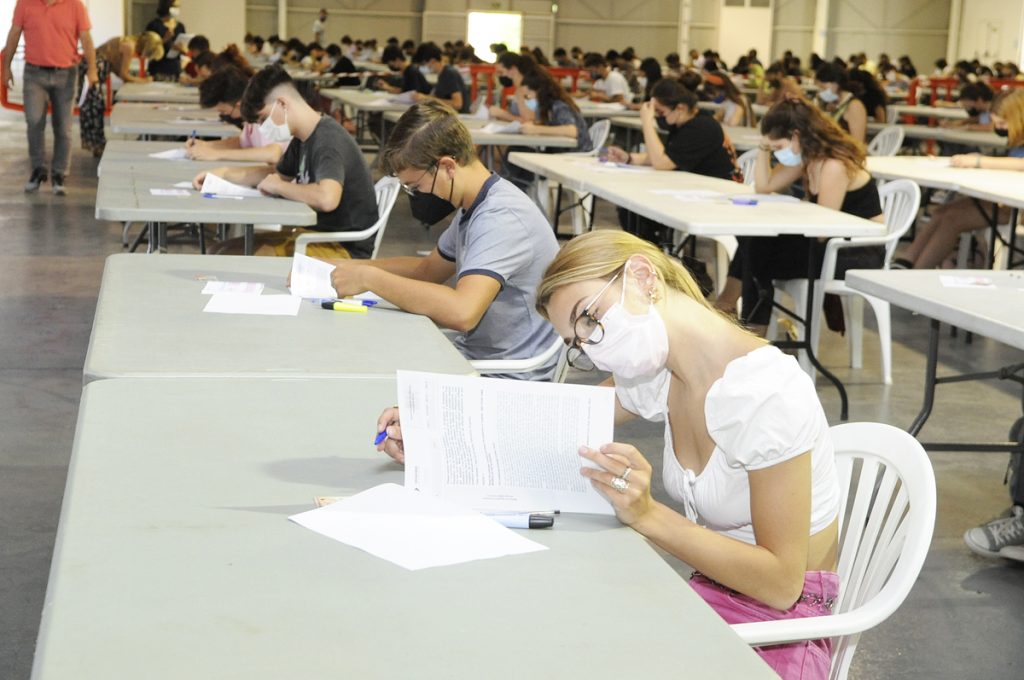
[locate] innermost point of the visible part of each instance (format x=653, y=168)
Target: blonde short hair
x=149, y=46
x=1010, y=105
x=601, y=254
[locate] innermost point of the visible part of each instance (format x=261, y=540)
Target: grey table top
x=992, y=312
x=952, y=135
x=157, y=92
x=1001, y=186
x=482, y=138
x=120, y=152
x=150, y=323
x=156, y=119
x=175, y=559
x=124, y=196
x=362, y=100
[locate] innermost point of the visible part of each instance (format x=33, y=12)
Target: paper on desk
x=407, y=97
x=311, y=278
x=483, y=112
x=513, y=127
x=266, y=305
x=176, y=154
x=611, y=166
x=169, y=192
x=235, y=287
x=692, y=195
x=493, y=444
x=182, y=185
x=188, y=120
x=219, y=186
x=607, y=106
x=950, y=281
x=413, y=530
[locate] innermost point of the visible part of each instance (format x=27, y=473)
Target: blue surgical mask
x=828, y=96
x=532, y=105
x=788, y=157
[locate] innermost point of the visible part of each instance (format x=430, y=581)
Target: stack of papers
x=217, y=186
x=311, y=278
x=414, y=530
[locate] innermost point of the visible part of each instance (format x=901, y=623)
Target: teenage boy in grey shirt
x=495, y=249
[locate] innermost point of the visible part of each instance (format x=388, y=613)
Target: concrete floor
x=962, y=620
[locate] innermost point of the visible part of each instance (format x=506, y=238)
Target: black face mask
x=974, y=112
x=662, y=122
x=429, y=208
x=1002, y=132
x=505, y=81
x=230, y=120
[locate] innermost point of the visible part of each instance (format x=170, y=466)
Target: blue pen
x=381, y=436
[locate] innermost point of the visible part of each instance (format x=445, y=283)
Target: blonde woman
x=936, y=240
x=747, y=451
x=113, y=57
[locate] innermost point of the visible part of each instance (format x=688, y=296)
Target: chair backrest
x=747, y=161
x=901, y=199
x=886, y=520
x=386, y=189
x=887, y=142
x=558, y=347
x=599, y=135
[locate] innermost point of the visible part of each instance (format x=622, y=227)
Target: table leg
x=1014, y=216
x=250, y=237
x=929, y=380
x=994, y=224
x=558, y=209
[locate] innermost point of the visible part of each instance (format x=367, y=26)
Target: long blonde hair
x=149, y=46
x=1010, y=105
x=601, y=254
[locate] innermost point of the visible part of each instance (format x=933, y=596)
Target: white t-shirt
x=763, y=411
x=614, y=84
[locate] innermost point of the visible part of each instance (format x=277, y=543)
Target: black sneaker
x=39, y=176
x=57, y=183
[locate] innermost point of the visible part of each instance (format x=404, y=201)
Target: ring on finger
x=620, y=484
x=625, y=474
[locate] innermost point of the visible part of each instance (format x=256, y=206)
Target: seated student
x=223, y=91
x=777, y=85
x=696, y=143
x=510, y=69
x=411, y=79
x=870, y=93
x=322, y=167
x=651, y=70
x=808, y=146
x=495, y=248
x=562, y=59
x=113, y=57
x=555, y=113
x=202, y=66
x=198, y=46
x=936, y=239
x=232, y=56
x=606, y=84
x=339, y=63
x=254, y=46
x=735, y=110
x=450, y=89
x=836, y=100
x=893, y=79
x=976, y=100
x=315, y=59
x=747, y=450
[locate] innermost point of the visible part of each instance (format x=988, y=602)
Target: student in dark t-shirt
x=341, y=64
x=410, y=79
x=696, y=143
x=322, y=167
x=450, y=89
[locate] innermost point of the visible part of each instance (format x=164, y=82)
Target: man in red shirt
x=52, y=30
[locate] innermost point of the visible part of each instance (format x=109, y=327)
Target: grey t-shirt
x=331, y=153
x=505, y=236
x=562, y=114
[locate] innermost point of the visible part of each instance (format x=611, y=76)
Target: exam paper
x=413, y=530
x=182, y=185
x=493, y=444
x=513, y=127
x=311, y=278
x=266, y=305
x=169, y=192
x=176, y=154
x=219, y=186
x=692, y=195
x=236, y=287
x=949, y=281
x=606, y=106
x=407, y=97
x=85, y=92
x=189, y=120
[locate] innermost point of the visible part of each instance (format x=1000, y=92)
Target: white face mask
x=788, y=157
x=828, y=96
x=174, y=12
x=633, y=346
x=425, y=70
x=271, y=131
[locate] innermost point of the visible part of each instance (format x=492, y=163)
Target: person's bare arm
x=13, y=37
x=89, y=50
x=323, y=196
x=249, y=176
x=768, y=180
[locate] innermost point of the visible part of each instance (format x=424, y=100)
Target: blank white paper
x=236, y=287
x=511, y=128
x=218, y=186
x=177, y=154
x=169, y=192
x=311, y=278
x=414, y=530
x=266, y=305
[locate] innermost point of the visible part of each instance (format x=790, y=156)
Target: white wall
x=990, y=30
x=748, y=27
x=223, y=21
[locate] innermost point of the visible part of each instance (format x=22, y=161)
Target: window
x=487, y=28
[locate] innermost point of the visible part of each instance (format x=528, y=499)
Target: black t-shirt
x=331, y=153
x=345, y=65
x=699, y=147
x=449, y=81
x=412, y=79
x=170, y=65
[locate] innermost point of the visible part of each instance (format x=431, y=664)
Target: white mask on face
x=633, y=346
x=271, y=131
x=174, y=12
x=788, y=157
x=828, y=96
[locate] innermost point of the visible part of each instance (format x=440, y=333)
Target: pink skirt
x=808, y=660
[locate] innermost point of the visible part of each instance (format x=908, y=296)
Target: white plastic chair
x=540, y=189
x=900, y=202
x=886, y=520
x=887, y=142
x=558, y=347
x=387, y=191
x=747, y=161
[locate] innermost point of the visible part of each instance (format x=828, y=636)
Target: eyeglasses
x=411, y=188
x=587, y=330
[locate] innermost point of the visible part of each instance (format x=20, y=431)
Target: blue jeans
x=56, y=87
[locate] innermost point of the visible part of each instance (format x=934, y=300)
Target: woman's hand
x=617, y=155
x=389, y=422
x=966, y=160
x=618, y=461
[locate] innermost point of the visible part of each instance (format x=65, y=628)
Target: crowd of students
x=747, y=449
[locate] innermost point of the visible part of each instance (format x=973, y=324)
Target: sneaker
x=39, y=176
x=57, y=182
x=1003, y=537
